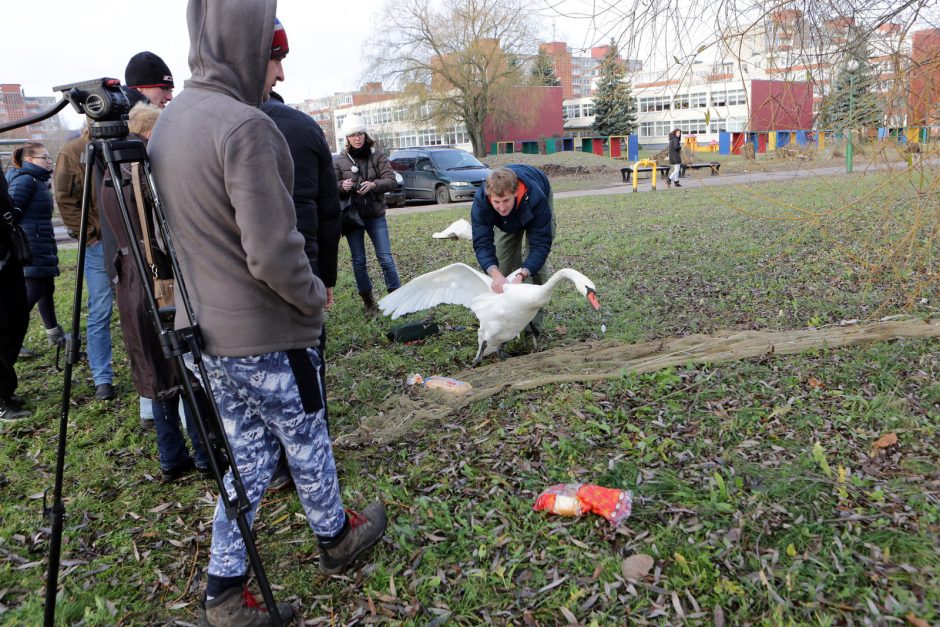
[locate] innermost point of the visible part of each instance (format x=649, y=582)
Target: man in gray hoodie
x=225, y=175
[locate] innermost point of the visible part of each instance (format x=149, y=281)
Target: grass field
x=758, y=490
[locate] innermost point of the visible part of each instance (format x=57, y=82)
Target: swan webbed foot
x=532, y=331
x=479, y=357
x=501, y=353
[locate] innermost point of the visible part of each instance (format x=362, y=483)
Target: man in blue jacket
x=514, y=202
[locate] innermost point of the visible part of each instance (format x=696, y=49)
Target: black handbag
x=413, y=331
x=20, y=247
x=352, y=219
x=351, y=207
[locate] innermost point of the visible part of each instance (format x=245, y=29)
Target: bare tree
x=457, y=60
x=790, y=33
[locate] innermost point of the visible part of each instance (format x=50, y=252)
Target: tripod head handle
x=99, y=99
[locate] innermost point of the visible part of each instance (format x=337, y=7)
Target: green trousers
x=510, y=252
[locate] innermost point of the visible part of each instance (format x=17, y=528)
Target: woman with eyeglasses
x=29, y=189
x=363, y=175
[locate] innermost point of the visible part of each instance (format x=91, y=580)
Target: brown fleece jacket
x=68, y=179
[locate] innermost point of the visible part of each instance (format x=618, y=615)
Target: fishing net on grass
x=401, y=415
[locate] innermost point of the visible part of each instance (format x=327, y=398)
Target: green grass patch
x=756, y=492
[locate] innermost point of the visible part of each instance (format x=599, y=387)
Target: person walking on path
x=675, y=157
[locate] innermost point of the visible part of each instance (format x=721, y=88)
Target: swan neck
x=564, y=273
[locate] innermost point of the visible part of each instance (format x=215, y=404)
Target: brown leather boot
x=371, y=307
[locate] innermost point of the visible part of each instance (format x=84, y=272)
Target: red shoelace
x=251, y=602
x=356, y=519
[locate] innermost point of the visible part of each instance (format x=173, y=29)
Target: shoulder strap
x=142, y=215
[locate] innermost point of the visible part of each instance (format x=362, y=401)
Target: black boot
x=371, y=307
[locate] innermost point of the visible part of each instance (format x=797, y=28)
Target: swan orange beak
x=592, y=298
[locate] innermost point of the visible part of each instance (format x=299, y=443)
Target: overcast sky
x=52, y=42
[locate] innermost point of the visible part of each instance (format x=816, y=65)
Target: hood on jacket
x=230, y=45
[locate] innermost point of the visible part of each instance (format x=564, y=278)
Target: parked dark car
x=394, y=198
x=440, y=173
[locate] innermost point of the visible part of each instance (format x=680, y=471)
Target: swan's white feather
x=457, y=284
x=460, y=229
x=502, y=316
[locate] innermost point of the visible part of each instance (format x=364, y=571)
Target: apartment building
x=774, y=77
x=397, y=124
x=16, y=105
x=323, y=110
x=578, y=74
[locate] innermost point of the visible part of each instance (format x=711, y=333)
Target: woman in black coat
x=154, y=376
x=29, y=189
x=675, y=157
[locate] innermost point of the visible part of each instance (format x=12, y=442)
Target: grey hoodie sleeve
x=256, y=158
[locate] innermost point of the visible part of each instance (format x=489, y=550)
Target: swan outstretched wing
x=457, y=284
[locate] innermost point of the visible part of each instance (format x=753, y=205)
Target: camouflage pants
x=261, y=411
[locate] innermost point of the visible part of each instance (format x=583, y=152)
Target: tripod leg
x=179, y=344
x=73, y=349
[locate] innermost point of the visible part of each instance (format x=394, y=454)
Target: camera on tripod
x=103, y=101
x=112, y=154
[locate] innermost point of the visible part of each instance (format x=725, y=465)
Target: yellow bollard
x=643, y=163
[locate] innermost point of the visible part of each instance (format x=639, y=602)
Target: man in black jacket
x=316, y=201
x=316, y=198
x=148, y=79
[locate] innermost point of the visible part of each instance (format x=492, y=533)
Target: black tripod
x=110, y=149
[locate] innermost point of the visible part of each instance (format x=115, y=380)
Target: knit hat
x=279, y=47
x=145, y=69
x=353, y=124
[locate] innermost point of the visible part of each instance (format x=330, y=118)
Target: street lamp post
x=851, y=67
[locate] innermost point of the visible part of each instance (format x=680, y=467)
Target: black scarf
x=361, y=153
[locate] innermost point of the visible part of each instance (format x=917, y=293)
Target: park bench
x=713, y=165
x=627, y=172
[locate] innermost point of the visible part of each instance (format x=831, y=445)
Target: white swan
x=460, y=229
x=502, y=316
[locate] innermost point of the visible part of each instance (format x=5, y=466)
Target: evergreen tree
x=543, y=71
x=614, y=105
x=853, y=100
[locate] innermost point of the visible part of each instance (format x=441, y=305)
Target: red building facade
x=924, y=97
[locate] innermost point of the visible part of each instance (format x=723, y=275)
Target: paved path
x=689, y=182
